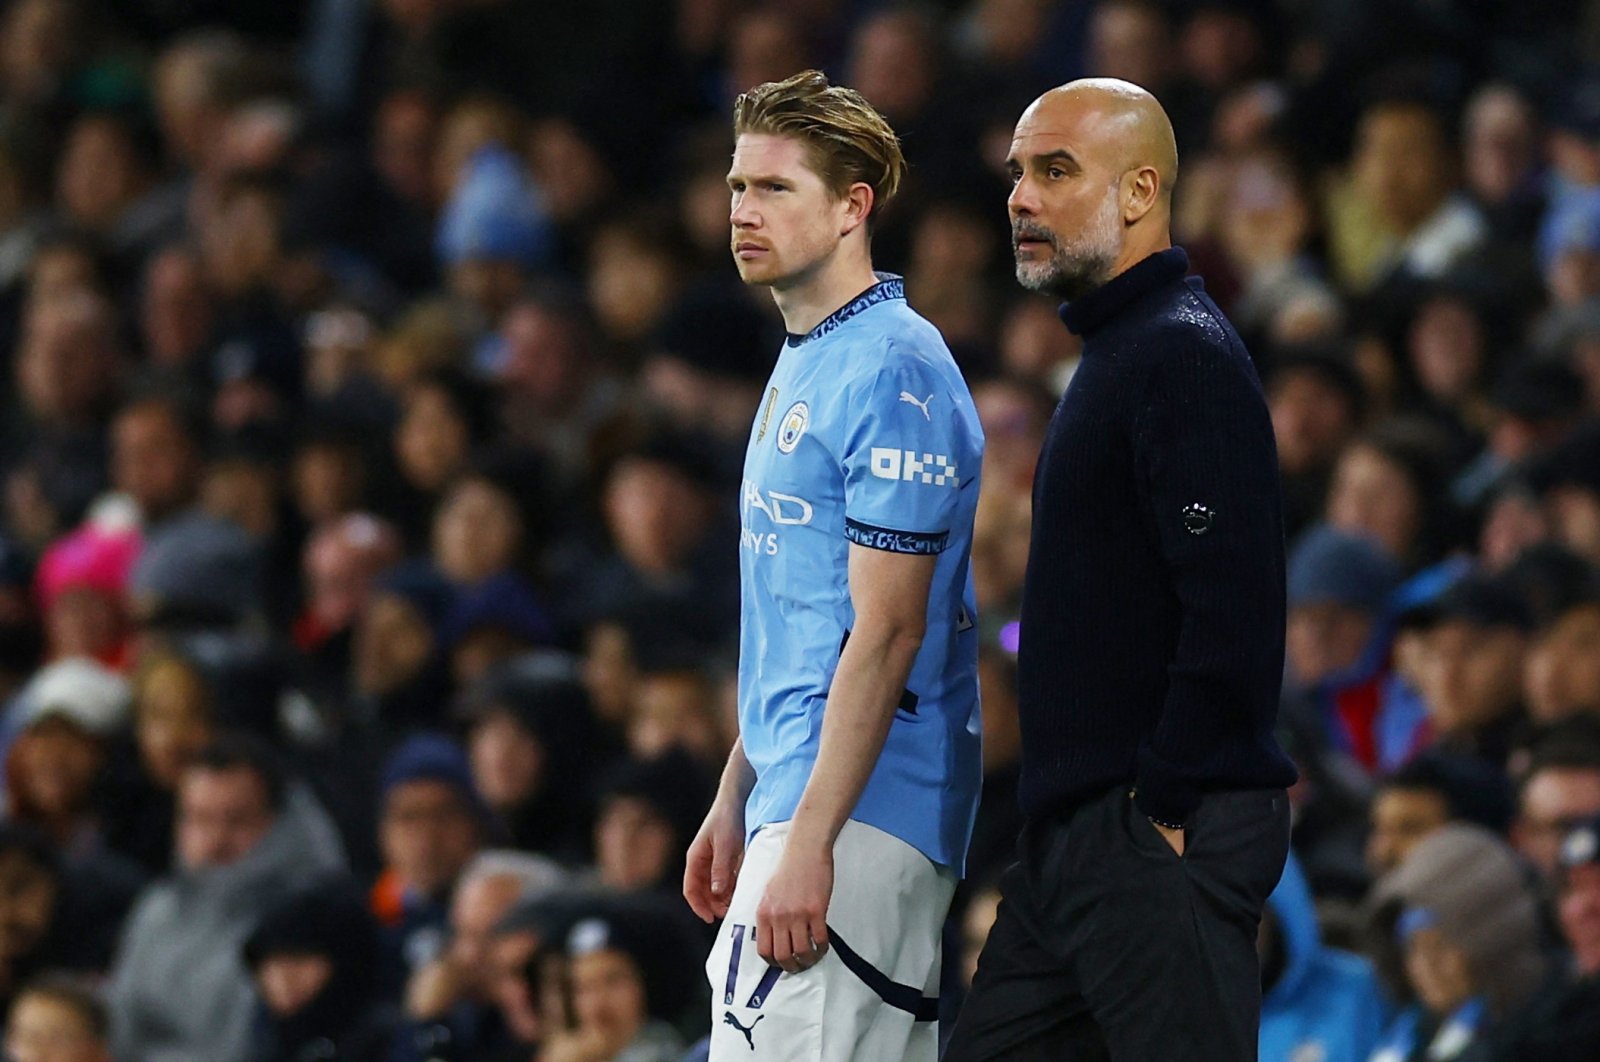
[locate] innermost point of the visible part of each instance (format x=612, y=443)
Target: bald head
x=1093, y=164
x=1113, y=121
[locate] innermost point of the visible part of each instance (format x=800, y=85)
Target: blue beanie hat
x=432, y=757
x=496, y=214
x=506, y=602
x=1328, y=566
x=422, y=587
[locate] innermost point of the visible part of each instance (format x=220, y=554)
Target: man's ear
x=858, y=200
x=1141, y=188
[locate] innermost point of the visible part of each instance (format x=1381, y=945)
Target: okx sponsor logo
x=909, y=466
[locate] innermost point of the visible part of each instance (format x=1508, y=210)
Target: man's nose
x=1022, y=201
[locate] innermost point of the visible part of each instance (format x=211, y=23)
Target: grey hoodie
x=179, y=990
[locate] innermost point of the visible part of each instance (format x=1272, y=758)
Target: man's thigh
x=1167, y=953
x=871, y=995
x=1024, y=1004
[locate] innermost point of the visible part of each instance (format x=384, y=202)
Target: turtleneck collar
x=1087, y=315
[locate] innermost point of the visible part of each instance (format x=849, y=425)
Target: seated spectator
x=659, y=507
x=1388, y=484
x=54, y=918
x=1559, y=791
x=1457, y=926
x=674, y=708
x=1317, y=400
x=628, y=981
x=1339, y=586
x=1564, y=1026
x=190, y=689
x=533, y=743
x=399, y=677
x=1568, y=481
x=1430, y=792
x=82, y=588
x=649, y=812
x=55, y=1019
x=1469, y=667
x=449, y=1000
x=342, y=561
x=493, y=232
x=1561, y=675
x=490, y=520
x=197, y=572
x=431, y=821
x=492, y=622
x=1316, y=1001
x=245, y=836
x=444, y=417
x=67, y=714
x=314, y=957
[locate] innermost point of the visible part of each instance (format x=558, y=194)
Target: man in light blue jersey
x=855, y=778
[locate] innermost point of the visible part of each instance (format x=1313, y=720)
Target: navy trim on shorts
x=899, y=996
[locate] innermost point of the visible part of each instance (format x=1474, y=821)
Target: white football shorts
x=873, y=997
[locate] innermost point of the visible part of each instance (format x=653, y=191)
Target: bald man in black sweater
x=1152, y=630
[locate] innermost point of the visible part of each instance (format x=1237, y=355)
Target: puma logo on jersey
x=907, y=396
x=750, y=1033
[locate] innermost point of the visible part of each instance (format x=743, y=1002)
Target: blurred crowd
x=371, y=477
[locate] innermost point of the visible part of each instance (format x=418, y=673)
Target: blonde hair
x=846, y=140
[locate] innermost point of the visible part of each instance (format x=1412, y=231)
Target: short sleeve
x=910, y=446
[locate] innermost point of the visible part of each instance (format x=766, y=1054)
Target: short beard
x=1077, y=267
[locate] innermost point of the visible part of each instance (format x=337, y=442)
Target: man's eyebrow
x=756, y=178
x=1058, y=155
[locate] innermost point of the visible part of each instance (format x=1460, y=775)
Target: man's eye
x=1056, y=173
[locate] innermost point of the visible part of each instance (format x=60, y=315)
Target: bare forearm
x=866, y=689
x=738, y=777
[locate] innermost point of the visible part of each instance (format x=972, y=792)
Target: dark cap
x=1574, y=462
x=1329, y=566
x=1477, y=600
x=1579, y=111
x=1326, y=362
x=1539, y=390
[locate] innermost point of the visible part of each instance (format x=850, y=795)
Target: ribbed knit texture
x=1153, y=617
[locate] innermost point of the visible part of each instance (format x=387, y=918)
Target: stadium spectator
x=431, y=822
x=448, y=999
x=1316, y=1000
x=648, y=812
x=399, y=677
x=314, y=958
x=1339, y=586
x=1564, y=1024
x=1469, y=667
x=246, y=834
x=1428, y=793
x=532, y=741
x=1457, y=926
x=55, y=1019
x=1560, y=790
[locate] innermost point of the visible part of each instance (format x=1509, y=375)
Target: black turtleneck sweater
x=1153, y=613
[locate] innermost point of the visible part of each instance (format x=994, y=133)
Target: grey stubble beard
x=1078, y=266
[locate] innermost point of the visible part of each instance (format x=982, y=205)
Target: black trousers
x=1109, y=946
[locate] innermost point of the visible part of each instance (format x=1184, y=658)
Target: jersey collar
x=889, y=286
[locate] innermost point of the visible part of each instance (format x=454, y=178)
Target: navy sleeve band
x=891, y=541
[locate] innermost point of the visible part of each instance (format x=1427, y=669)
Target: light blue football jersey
x=867, y=434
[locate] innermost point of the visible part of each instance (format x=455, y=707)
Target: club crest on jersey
x=793, y=427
